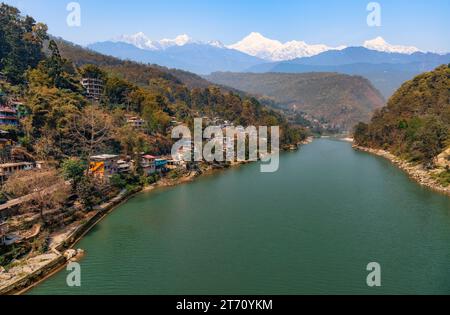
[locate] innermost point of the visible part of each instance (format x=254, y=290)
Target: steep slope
x=133, y=71
x=415, y=124
x=194, y=57
x=341, y=100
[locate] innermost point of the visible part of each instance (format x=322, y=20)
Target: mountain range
x=386, y=71
x=387, y=66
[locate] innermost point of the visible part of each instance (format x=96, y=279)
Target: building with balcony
x=104, y=166
x=7, y=169
x=94, y=88
x=136, y=122
x=8, y=116
x=148, y=164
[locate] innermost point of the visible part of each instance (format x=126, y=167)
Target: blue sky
x=421, y=23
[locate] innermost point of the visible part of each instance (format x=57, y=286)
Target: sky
x=421, y=23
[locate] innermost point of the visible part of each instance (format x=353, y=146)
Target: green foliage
x=88, y=192
x=92, y=71
x=21, y=40
x=340, y=99
x=416, y=122
x=55, y=101
x=74, y=169
x=444, y=178
x=118, y=181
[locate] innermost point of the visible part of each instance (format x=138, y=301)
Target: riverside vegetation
x=415, y=126
x=60, y=126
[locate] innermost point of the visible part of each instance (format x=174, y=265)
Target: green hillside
x=45, y=74
x=415, y=124
x=340, y=100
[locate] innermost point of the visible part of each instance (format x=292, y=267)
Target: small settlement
x=35, y=226
x=21, y=231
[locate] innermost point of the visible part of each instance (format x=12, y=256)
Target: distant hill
x=194, y=57
x=386, y=71
x=135, y=72
x=415, y=124
x=341, y=100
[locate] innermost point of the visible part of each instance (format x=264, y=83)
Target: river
x=310, y=228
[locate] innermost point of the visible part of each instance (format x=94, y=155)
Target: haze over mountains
x=386, y=65
x=337, y=99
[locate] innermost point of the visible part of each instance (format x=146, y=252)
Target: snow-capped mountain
x=142, y=41
x=259, y=46
x=380, y=44
x=256, y=45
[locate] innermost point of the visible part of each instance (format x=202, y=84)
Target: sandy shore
x=415, y=172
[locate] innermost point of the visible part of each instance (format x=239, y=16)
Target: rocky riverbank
x=29, y=272
x=26, y=273
x=416, y=172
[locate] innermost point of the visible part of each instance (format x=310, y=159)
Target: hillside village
x=76, y=139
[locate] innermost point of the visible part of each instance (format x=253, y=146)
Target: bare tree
x=37, y=190
x=91, y=129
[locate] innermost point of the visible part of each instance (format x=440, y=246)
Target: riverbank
x=27, y=273
x=30, y=272
x=415, y=172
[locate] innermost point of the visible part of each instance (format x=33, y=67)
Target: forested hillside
x=415, y=124
x=340, y=100
x=49, y=85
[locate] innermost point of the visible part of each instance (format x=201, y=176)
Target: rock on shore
x=416, y=172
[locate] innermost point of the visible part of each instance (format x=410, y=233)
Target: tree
x=73, y=169
x=88, y=192
x=40, y=190
x=92, y=129
x=21, y=43
x=92, y=71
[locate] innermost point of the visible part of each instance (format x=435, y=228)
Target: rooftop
x=104, y=157
x=15, y=164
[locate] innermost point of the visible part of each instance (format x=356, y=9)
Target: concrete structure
x=104, y=166
x=94, y=88
x=8, y=116
x=136, y=122
x=123, y=167
x=8, y=169
x=160, y=165
x=148, y=164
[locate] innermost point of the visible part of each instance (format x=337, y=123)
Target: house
x=123, y=167
x=104, y=166
x=136, y=122
x=8, y=116
x=3, y=231
x=94, y=88
x=8, y=169
x=148, y=164
x=175, y=164
x=161, y=165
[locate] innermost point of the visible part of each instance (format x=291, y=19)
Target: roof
x=104, y=157
x=149, y=157
x=16, y=164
